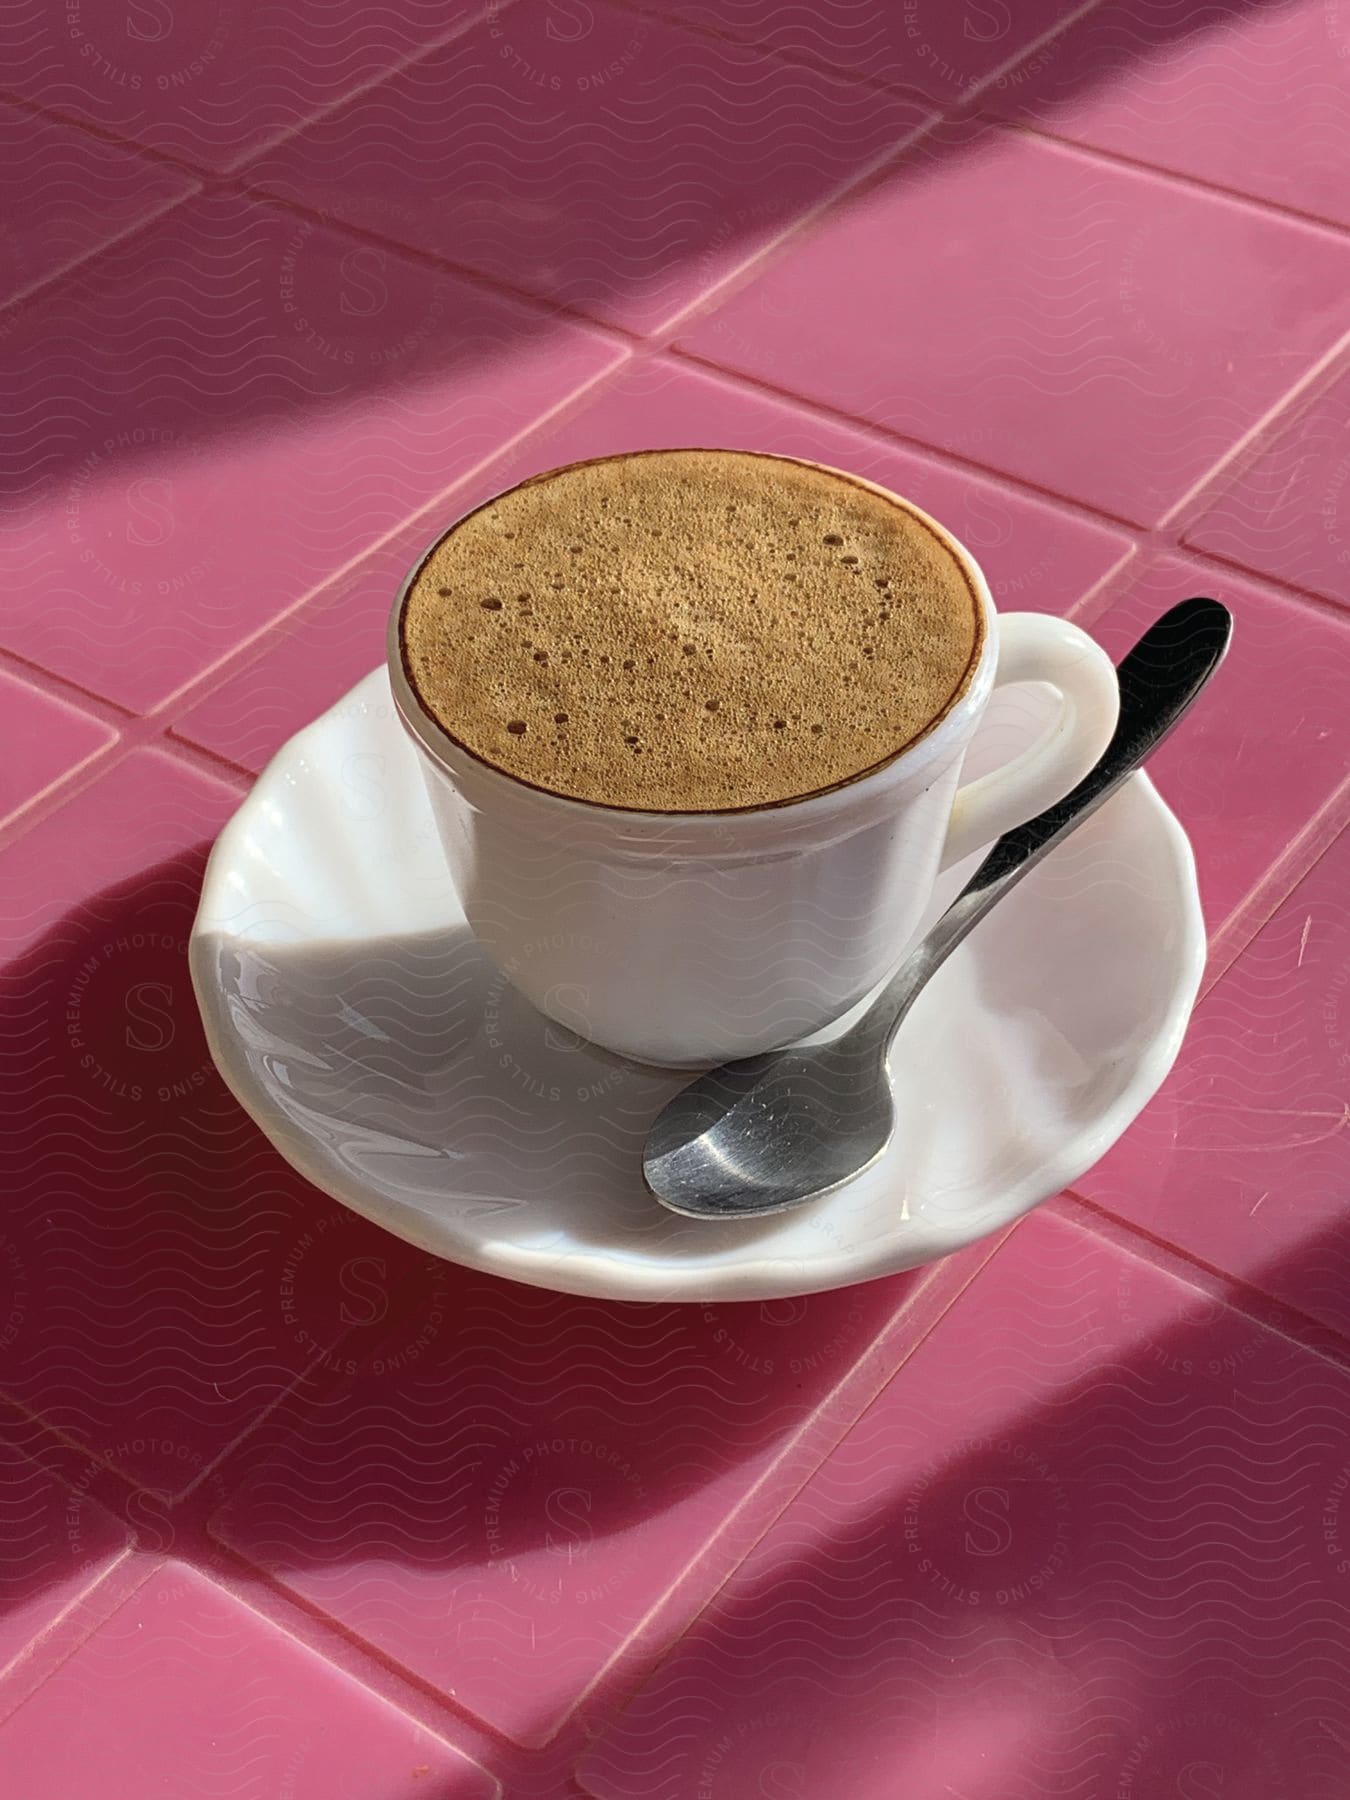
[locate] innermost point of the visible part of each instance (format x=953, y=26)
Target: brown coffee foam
x=689, y=630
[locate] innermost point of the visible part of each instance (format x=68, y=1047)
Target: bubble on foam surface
x=653, y=576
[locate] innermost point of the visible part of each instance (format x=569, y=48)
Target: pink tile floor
x=288, y=1509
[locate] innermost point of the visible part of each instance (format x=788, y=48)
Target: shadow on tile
x=260, y=317
x=1094, y=1537
x=948, y=48
x=176, y=1276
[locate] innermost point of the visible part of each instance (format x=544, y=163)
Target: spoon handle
x=1160, y=680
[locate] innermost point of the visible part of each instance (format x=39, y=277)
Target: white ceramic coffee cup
x=691, y=938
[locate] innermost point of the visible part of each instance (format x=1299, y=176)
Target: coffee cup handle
x=1036, y=647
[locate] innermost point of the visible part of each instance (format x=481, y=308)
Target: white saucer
x=353, y=1016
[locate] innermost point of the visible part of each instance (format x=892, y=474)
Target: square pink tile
x=311, y=659
x=211, y=82
x=64, y=193
x=944, y=48
x=502, y=1516
x=1090, y=1541
x=1085, y=327
x=1268, y=746
x=45, y=739
x=185, y=1691
x=1252, y=97
x=180, y=1277
x=234, y=405
x=1241, y=1159
x=1288, y=513
x=592, y=156
x=54, y=1543
x=1035, y=556
x=147, y=810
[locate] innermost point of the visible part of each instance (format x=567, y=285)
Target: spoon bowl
x=764, y=1134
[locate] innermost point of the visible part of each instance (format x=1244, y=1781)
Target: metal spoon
x=770, y=1132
